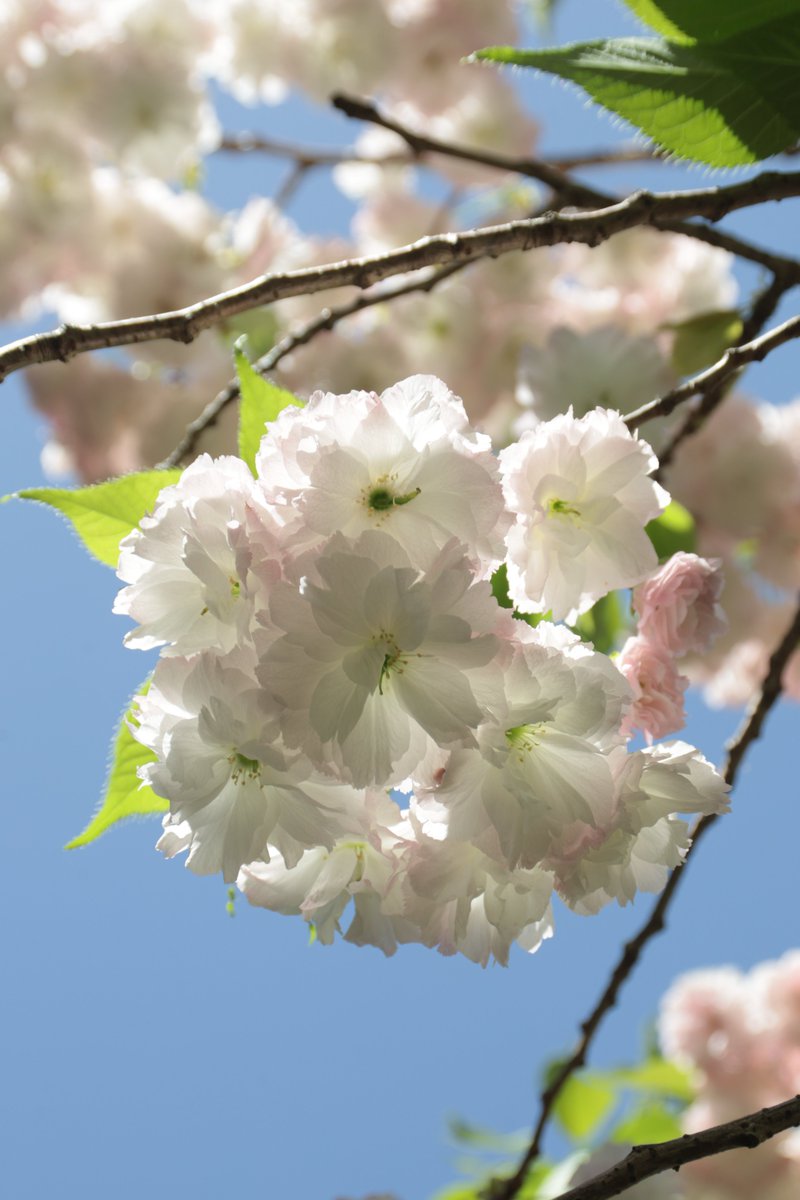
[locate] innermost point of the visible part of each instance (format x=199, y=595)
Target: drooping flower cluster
x=679, y=612
x=740, y=1035
x=343, y=712
x=740, y=477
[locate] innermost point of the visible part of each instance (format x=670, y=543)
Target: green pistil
x=525, y=737
x=380, y=499
x=244, y=768
x=389, y=661
x=564, y=508
x=236, y=587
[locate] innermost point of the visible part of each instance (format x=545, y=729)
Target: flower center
x=525, y=738
x=563, y=508
x=380, y=497
x=244, y=768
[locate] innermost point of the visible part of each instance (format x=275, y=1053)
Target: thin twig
x=590, y=228
x=645, y=1161
x=749, y=731
x=764, y=305
x=717, y=375
x=319, y=156
x=568, y=191
x=307, y=156
x=290, y=184
x=326, y=320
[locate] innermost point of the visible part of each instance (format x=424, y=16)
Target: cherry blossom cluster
x=740, y=1035
x=740, y=477
x=679, y=611
x=343, y=712
x=107, y=118
x=101, y=107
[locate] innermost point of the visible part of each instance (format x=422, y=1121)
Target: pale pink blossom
x=657, y=708
x=605, y=367
x=406, y=462
x=581, y=496
x=678, y=607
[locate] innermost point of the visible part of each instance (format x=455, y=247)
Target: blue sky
x=151, y=1045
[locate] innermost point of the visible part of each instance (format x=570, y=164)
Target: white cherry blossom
x=581, y=495
x=376, y=658
x=540, y=765
x=406, y=462
x=188, y=566
x=230, y=782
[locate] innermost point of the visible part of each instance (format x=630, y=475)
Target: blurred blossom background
x=150, y=1042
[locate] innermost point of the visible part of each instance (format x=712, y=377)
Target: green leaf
x=584, y=1101
x=542, y=12
x=724, y=102
x=500, y=587
x=602, y=624
x=125, y=795
x=460, y=1191
x=477, y=1138
x=703, y=340
x=558, y=1178
x=673, y=531
x=688, y=19
x=261, y=401
x=259, y=326
x=652, y=1122
x=657, y=1077
x=104, y=513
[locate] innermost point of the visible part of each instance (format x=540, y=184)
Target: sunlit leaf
x=725, y=102
x=260, y=403
x=125, y=795
x=657, y=1077
x=673, y=531
x=690, y=20
x=500, y=587
x=479, y=1138
x=603, y=624
x=582, y=1104
x=703, y=340
x=652, y=1122
x=104, y=513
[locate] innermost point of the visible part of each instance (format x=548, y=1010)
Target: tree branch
x=590, y=228
x=716, y=376
x=326, y=320
x=306, y=156
x=644, y=1161
x=749, y=731
x=713, y=394
x=551, y=174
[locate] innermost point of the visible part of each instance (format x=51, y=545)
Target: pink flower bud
x=658, y=689
x=679, y=607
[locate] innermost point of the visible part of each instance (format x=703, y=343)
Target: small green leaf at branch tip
x=583, y=1104
x=672, y=532
x=260, y=402
x=703, y=340
x=102, y=514
x=651, y=1122
x=230, y=907
x=312, y=933
x=655, y=1076
x=125, y=794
